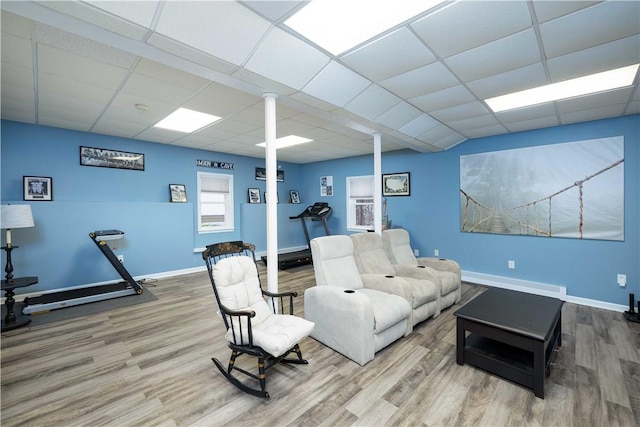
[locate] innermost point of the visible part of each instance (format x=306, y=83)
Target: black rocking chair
x=252, y=324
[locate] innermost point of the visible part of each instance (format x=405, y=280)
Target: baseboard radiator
x=537, y=288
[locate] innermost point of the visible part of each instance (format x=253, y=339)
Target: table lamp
x=13, y=216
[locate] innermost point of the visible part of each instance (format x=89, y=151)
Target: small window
x=360, y=208
x=215, y=202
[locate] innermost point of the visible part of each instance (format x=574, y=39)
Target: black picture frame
x=177, y=193
x=253, y=195
x=261, y=174
x=104, y=158
x=37, y=188
x=294, y=197
x=396, y=184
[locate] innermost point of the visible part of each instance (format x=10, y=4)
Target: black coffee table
x=512, y=334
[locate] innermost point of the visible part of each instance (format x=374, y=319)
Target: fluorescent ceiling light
x=184, y=120
x=287, y=141
x=599, y=82
x=339, y=25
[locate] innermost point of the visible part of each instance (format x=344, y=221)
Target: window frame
x=229, y=222
x=351, y=203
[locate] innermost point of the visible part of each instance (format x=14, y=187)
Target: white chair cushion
x=277, y=334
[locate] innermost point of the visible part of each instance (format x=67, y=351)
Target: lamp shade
x=16, y=216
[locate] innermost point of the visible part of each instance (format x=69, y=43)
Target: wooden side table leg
x=9, y=302
x=460, y=341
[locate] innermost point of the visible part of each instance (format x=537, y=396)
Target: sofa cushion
x=335, y=263
x=422, y=291
x=388, y=309
x=397, y=246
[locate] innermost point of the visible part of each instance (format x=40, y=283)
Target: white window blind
x=360, y=209
x=215, y=202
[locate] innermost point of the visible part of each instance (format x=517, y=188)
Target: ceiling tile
x=484, y=131
x=460, y=112
x=506, y=54
x=450, y=140
x=476, y=23
x=170, y=75
x=16, y=50
x=262, y=83
x=92, y=15
x=419, y=125
x=547, y=10
x=59, y=86
x=443, y=99
x=427, y=79
x=590, y=27
x=536, y=123
x=273, y=9
x=604, y=57
x=521, y=114
x=590, y=102
x=399, y=115
x=393, y=54
x=140, y=13
x=336, y=84
x=16, y=76
x=372, y=102
x=16, y=25
x=148, y=87
x=511, y=81
x=286, y=59
x=213, y=27
x=78, y=68
x=594, y=114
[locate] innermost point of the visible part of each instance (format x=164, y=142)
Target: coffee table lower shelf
x=501, y=359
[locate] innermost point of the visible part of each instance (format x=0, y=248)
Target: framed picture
x=294, y=196
x=38, y=188
x=261, y=174
x=396, y=184
x=254, y=195
x=102, y=158
x=178, y=193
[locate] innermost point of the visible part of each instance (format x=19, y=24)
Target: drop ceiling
x=421, y=85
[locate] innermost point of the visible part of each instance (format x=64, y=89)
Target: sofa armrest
x=343, y=321
x=390, y=284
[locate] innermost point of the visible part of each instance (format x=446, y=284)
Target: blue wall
x=588, y=268
x=161, y=237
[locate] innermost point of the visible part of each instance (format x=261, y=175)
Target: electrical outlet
x=512, y=264
x=436, y=253
x=416, y=252
x=121, y=259
x=622, y=280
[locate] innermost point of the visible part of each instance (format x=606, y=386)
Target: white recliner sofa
x=422, y=289
x=351, y=317
x=397, y=245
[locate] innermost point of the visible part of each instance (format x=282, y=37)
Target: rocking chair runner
x=253, y=326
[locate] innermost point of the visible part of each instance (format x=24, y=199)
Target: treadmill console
x=319, y=209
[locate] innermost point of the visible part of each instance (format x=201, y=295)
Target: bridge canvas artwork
x=571, y=190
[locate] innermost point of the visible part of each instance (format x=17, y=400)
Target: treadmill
x=72, y=297
x=320, y=211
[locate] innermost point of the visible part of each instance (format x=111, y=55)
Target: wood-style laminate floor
x=150, y=365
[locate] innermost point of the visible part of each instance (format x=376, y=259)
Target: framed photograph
x=102, y=158
x=294, y=196
x=261, y=174
x=396, y=184
x=178, y=193
x=254, y=195
x=38, y=188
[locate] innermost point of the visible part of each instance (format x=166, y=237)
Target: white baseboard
x=537, y=288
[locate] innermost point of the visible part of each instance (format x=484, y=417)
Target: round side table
x=15, y=320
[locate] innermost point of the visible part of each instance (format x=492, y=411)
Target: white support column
x=377, y=182
x=272, y=190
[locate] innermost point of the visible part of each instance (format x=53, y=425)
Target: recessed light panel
x=339, y=25
x=188, y=121
x=287, y=141
x=594, y=83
